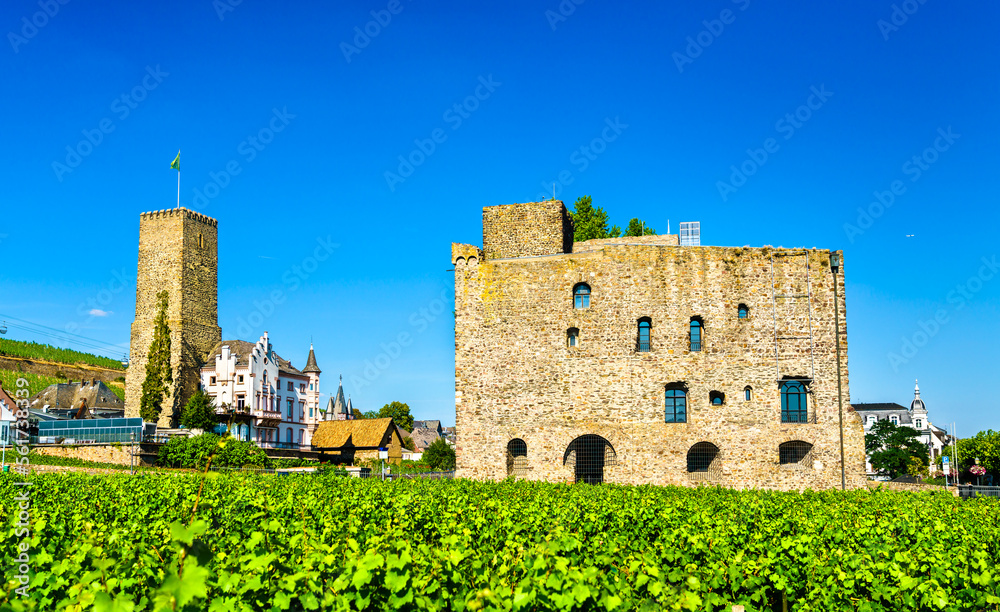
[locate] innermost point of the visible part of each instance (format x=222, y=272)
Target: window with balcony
x=240, y=402
x=643, y=340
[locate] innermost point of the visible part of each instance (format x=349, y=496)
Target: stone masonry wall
x=515, y=376
x=523, y=230
x=102, y=453
x=178, y=252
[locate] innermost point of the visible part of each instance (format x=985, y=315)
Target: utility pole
x=835, y=267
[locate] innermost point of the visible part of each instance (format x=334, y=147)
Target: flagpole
x=178, y=182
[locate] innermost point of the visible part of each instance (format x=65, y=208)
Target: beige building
x=636, y=360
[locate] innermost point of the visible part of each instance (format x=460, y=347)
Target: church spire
x=917, y=403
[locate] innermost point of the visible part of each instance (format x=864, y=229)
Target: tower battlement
x=180, y=212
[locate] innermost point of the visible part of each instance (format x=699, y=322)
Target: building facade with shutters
x=638, y=360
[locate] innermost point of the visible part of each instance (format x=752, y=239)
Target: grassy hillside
x=33, y=350
x=35, y=382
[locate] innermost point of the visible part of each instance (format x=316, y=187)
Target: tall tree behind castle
x=159, y=375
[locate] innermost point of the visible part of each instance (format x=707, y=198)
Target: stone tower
x=178, y=252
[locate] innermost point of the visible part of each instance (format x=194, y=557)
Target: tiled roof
x=311, y=365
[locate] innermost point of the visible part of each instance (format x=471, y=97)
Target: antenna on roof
x=553, y=191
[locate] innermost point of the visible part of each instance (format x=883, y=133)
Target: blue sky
x=694, y=91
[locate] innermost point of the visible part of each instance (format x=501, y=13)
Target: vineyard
x=36, y=382
x=34, y=350
x=243, y=542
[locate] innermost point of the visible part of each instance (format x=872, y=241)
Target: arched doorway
x=587, y=456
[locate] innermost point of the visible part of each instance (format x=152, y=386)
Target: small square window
x=239, y=379
x=211, y=380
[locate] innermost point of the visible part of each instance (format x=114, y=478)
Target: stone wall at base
x=99, y=452
x=909, y=486
x=518, y=380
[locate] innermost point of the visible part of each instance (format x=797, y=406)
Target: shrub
x=439, y=455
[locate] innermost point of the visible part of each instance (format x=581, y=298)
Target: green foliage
x=985, y=445
x=638, y=228
x=116, y=543
x=195, y=451
x=47, y=352
x=369, y=414
x=408, y=444
x=439, y=455
x=892, y=448
x=590, y=222
x=199, y=413
x=399, y=413
x=159, y=374
x=36, y=383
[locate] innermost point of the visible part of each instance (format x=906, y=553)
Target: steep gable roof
x=360, y=433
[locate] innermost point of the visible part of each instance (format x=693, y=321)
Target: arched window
x=794, y=452
x=703, y=458
x=587, y=456
x=517, y=458
x=696, y=333
x=794, y=407
x=581, y=295
x=717, y=398
x=642, y=344
x=743, y=312
x=747, y=393
x=572, y=337
x=675, y=402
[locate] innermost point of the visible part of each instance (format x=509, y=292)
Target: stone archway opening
x=588, y=456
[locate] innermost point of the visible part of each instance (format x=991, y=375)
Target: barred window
x=695, y=336
x=703, y=458
x=794, y=452
x=517, y=458
x=643, y=341
x=588, y=456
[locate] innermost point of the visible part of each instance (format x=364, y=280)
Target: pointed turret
x=311, y=362
x=339, y=403
x=350, y=408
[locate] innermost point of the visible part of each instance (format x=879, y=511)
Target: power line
x=66, y=333
x=63, y=336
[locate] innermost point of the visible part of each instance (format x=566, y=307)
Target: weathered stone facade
x=517, y=378
x=178, y=252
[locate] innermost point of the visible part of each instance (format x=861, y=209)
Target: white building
x=916, y=417
x=261, y=396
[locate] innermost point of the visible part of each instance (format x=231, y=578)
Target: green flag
x=176, y=164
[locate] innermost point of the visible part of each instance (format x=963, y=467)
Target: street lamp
x=835, y=268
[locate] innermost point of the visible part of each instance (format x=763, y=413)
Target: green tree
x=368, y=414
x=440, y=455
x=892, y=448
x=638, y=228
x=199, y=412
x=399, y=413
x=159, y=375
x=590, y=222
x=984, y=446
x=408, y=444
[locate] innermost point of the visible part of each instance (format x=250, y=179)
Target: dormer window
x=894, y=419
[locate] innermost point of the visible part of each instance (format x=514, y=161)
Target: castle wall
x=515, y=376
x=178, y=252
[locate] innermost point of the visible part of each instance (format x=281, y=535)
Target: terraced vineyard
x=159, y=542
x=34, y=350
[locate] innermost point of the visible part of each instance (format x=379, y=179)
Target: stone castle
x=636, y=360
x=178, y=252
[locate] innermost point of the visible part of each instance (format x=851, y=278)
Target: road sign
x=946, y=465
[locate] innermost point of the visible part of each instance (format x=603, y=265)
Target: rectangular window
x=239, y=379
x=240, y=402
x=291, y=416
x=211, y=380
x=291, y=386
x=302, y=387
x=676, y=406
x=302, y=411
x=310, y=412
x=794, y=408
x=310, y=386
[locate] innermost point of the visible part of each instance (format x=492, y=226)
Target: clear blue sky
x=685, y=113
